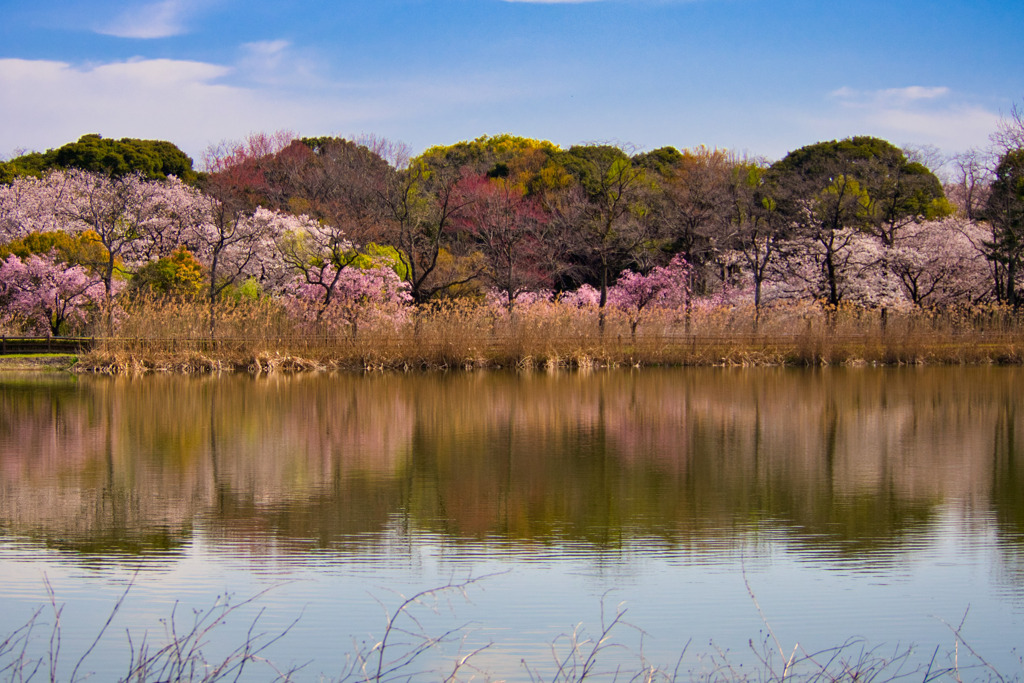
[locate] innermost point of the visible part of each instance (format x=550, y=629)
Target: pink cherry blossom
x=51, y=296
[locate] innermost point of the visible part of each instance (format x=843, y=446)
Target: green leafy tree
x=31, y=164
x=153, y=159
x=497, y=156
x=79, y=249
x=829, y=189
x=179, y=275
x=605, y=215
x=1005, y=213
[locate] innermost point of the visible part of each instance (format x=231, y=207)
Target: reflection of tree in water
x=61, y=484
x=846, y=461
x=135, y=463
x=850, y=463
x=1008, y=493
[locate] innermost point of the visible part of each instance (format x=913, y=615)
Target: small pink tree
x=663, y=287
x=359, y=295
x=585, y=296
x=51, y=295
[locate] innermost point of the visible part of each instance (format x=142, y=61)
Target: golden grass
x=260, y=337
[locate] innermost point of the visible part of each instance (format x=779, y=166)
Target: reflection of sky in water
x=531, y=597
x=677, y=494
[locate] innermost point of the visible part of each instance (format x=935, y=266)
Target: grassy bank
x=42, y=362
x=260, y=337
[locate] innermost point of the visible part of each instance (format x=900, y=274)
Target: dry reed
x=260, y=336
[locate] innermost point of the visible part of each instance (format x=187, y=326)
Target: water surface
x=710, y=504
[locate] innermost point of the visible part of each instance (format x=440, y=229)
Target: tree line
x=329, y=224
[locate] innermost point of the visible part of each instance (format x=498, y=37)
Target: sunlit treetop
x=154, y=159
x=495, y=155
x=881, y=170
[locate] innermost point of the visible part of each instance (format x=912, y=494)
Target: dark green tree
x=154, y=159
x=1005, y=213
x=862, y=183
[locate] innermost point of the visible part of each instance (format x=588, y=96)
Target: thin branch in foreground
x=378, y=664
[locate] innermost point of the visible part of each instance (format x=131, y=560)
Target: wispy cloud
x=279, y=63
x=154, y=20
x=914, y=114
x=183, y=101
x=194, y=104
x=890, y=96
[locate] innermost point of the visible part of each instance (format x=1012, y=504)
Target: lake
x=715, y=522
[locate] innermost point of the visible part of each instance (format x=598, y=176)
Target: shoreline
x=279, y=362
x=44, y=362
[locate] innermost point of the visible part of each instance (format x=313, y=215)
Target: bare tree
x=968, y=188
x=1009, y=135
x=698, y=205
x=418, y=208
x=605, y=217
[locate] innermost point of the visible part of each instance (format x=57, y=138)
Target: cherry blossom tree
x=51, y=295
x=28, y=205
x=866, y=276
x=663, y=287
x=834, y=191
x=942, y=262
x=318, y=253
x=357, y=295
x=584, y=296
x=134, y=219
x=829, y=221
x=235, y=245
x=833, y=266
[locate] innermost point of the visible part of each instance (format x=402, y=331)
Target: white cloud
x=278, y=63
x=195, y=104
x=49, y=103
x=890, y=96
x=154, y=20
x=914, y=114
x=914, y=93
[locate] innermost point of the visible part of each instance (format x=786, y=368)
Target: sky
x=757, y=77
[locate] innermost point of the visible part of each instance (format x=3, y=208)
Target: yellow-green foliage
x=179, y=275
x=374, y=255
x=81, y=249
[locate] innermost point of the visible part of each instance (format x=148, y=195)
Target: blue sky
x=756, y=76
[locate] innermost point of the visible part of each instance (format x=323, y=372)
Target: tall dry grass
x=261, y=336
